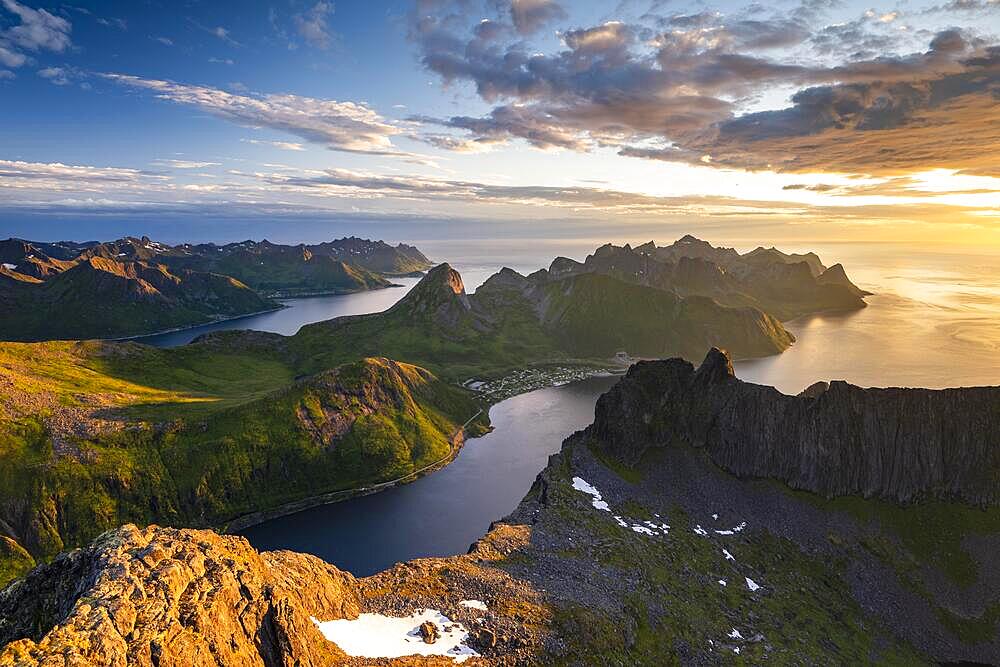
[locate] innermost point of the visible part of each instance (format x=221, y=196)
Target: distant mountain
x=784, y=285
x=103, y=298
x=513, y=319
x=136, y=286
x=334, y=267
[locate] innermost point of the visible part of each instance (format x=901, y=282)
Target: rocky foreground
x=637, y=545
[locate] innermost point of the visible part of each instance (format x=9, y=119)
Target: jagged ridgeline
x=699, y=520
x=136, y=286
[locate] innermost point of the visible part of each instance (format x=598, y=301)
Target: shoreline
x=233, y=318
x=251, y=519
x=193, y=326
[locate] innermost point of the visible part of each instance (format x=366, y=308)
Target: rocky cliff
x=834, y=439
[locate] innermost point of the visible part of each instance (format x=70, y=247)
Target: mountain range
x=640, y=543
x=783, y=285
x=241, y=422
x=136, y=286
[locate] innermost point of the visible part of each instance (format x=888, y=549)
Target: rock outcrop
x=840, y=439
x=174, y=597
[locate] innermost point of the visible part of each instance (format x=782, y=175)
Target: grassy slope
x=212, y=436
x=220, y=434
x=600, y=315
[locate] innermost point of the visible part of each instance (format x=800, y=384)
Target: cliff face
x=836, y=439
x=668, y=562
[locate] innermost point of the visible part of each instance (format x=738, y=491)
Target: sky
x=796, y=120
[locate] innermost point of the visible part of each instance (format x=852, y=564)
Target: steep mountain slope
x=512, y=320
x=610, y=559
x=835, y=439
x=278, y=269
x=98, y=297
x=136, y=286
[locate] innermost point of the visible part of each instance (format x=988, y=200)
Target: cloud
x=282, y=145
x=64, y=192
x=38, y=30
x=221, y=61
x=945, y=121
x=7, y=75
x=166, y=41
x=313, y=27
x=342, y=126
x=121, y=24
x=979, y=6
x=184, y=164
x=16, y=174
x=57, y=75
x=678, y=91
x=530, y=16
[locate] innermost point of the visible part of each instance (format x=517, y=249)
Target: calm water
x=933, y=322
x=445, y=512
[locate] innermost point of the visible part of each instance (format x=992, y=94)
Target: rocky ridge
x=834, y=439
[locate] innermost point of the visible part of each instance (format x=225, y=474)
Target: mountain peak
x=439, y=294
x=717, y=366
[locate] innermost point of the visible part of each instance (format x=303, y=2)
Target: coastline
x=250, y=519
x=320, y=293
x=245, y=521
x=194, y=326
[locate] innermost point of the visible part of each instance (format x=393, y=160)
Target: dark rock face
x=899, y=444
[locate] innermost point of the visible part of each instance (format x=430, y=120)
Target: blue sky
x=795, y=119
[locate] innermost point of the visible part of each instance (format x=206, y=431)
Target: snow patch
x=735, y=634
x=722, y=582
x=378, y=636
x=729, y=556
x=650, y=527
x=474, y=604
x=9, y=266
x=699, y=530
x=751, y=584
